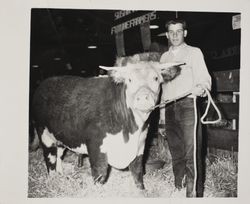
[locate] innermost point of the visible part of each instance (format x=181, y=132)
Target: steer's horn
x=168, y=65
x=109, y=68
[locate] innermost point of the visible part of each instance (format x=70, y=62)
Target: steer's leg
x=98, y=161
x=49, y=148
x=80, y=160
x=136, y=169
x=60, y=151
x=50, y=158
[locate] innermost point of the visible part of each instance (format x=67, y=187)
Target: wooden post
x=120, y=48
x=145, y=36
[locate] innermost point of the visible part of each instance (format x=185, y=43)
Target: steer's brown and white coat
x=104, y=115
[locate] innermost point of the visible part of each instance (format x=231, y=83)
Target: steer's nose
x=143, y=97
x=144, y=100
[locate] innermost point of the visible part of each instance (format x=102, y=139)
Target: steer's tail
x=33, y=137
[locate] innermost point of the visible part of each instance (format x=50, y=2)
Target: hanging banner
x=134, y=22
x=139, y=41
x=123, y=13
x=120, y=49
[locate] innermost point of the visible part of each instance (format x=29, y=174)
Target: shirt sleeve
x=200, y=72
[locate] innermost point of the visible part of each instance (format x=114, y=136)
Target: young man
x=182, y=122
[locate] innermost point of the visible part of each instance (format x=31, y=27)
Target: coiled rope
x=209, y=102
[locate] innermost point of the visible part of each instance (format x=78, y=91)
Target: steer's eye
x=130, y=80
x=156, y=78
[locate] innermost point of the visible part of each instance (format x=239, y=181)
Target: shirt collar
x=180, y=47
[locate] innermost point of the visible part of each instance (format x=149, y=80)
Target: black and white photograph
x=127, y=102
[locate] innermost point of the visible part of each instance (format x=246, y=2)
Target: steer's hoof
x=140, y=186
x=52, y=173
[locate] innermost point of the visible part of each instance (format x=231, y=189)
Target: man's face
x=176, y=34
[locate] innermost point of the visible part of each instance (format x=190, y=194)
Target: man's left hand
x=199, y=91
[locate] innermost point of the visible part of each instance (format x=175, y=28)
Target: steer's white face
x=142, y=82
x=142, y=85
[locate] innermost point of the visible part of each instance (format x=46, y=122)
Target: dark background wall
x=59, y=39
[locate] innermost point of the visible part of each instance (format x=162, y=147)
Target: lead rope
x=209, y=102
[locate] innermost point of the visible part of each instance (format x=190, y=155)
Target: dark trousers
x=183, y=127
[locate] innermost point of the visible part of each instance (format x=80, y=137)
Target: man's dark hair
x=175, y=21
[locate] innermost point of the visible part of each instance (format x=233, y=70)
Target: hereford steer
x=104, y=117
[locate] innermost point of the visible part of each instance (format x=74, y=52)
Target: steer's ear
x=170, y=70
x=170, y=73
x=117, y=73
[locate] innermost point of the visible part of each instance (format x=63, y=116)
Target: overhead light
x=153, y=26
x=35, y=66
x=83, y=71
x=92, y=47
x=57, y=58
x=162, y=34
